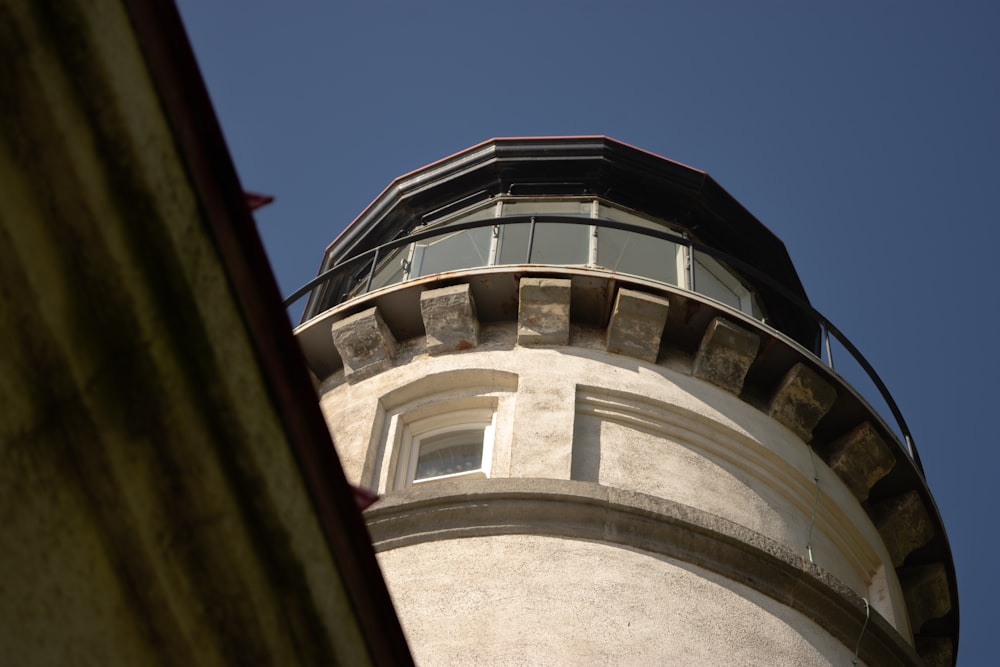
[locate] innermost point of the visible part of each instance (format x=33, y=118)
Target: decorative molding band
x=717, y=442
x=584, y=510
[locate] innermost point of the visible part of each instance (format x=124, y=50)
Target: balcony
x=591, y=238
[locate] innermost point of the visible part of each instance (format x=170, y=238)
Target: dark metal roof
x=687, y=198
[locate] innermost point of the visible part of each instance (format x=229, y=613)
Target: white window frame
x=415, y=432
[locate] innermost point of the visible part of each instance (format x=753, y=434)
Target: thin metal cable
x=868, y=615
x=812, y=519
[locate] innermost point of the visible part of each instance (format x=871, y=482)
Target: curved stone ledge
x=589, y=511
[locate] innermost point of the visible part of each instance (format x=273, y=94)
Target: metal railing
x=370, y=260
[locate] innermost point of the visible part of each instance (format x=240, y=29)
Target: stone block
x=802, y=398
x=364, y=342
x=543, y=311
x=904, y=524
x=861, y=458
x=725, y=355
x=926, y=591
x=636, y=325
x=449, y=315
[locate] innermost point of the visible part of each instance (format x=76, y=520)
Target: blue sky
x=864, y=134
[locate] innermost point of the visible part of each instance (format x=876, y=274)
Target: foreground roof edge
x=188, y=107
x=173, y=494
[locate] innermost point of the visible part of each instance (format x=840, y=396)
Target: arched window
x=447, y=446
x=448, y=425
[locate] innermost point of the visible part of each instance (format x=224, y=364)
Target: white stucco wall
x=533, y=600
x=578, y=412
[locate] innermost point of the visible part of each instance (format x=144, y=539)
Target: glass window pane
x=459, y=250
x=552, y=244
x=628, y=252
x=513, y=244
x=714, y=281
x=450, y=453
x=560, y=244
x=390, y=271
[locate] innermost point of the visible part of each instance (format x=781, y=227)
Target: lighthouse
x=605, y=425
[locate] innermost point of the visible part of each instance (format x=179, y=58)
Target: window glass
x=560, y=244
x=390, y=271
x=513, y=244
x=640, y=255
x=437, y=436
x=563, y=243
x=458, y=250
x=450, y=453
x=552, y=244
x=713, y=280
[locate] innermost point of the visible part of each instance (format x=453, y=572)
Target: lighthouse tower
x=605, y=426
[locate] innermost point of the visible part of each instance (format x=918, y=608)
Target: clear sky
x=865, y=135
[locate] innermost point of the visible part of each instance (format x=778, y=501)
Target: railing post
x=592, y=250
x=689, y=264
x=826, y=342
x=494, y=245
x=531, y=239
x=371, y=272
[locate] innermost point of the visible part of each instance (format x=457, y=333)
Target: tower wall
x=586, y=602
x=627, y=448
x=574, y=423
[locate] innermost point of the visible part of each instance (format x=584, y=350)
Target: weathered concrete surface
x=801, y=400
x=861, y=458
x=621, y=607
x=543, y=311
x=636, y=324
x=904, y=524
x=450, y=321
x=595, y=416
x=725, y=355
x=364, y=342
